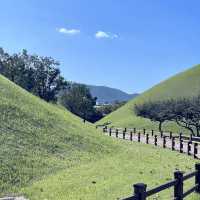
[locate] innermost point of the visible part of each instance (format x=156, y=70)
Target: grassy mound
x=184, y=84
x=48, y=153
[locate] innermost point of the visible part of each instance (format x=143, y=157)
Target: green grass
x=184, y=84
x=48, y=153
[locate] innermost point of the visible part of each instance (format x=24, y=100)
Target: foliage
x=38, y=75
x=78, y=100
x=184, y=111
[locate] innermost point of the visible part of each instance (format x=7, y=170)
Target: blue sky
x=127, y=44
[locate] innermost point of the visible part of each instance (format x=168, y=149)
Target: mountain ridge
x=107, y=94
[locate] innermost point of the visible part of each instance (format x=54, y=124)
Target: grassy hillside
x=184, y=84
x=48, y=153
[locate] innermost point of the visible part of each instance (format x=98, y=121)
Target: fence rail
x=141, y=192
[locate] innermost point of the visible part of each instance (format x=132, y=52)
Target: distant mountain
x=109, y=95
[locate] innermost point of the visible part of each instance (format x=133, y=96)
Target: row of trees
x=184, y=111
x=42, y=77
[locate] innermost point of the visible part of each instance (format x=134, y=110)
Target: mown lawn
x=112, y=177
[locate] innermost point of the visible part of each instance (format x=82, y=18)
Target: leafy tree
x=78, y=100
x=184, y=111
x=155, y=111
x=39, y=75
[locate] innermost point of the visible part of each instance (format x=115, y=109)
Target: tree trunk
x=160, y=126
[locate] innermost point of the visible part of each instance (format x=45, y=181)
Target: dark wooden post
x=144, y=131
x=197, y=177
x=110, y=131
x=116, y=133
x=155, y=140
x=195, y=150
x=189, y=147
x=134, y=130
x=190, y=137
x=178, y=188
x=164, y=141
x=170, y=135
x=181, y=146
x=152, y=132
x=180, y=136
x=140, y=191
x=125, y=130
x=124, y=134
x=138, y=136
x=131, y=136
x=147, y=138
x=173, y=143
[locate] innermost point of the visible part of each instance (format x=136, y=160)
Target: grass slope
x=48, y=153
x=184, y=84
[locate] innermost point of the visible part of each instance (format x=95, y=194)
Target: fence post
x=155, y=140
x=180, y=136
x=138, y=136
x=170, y=135
x=181, y=146
x=125, y=129
x=134, y=130
x=131, y=136
x=147, y=138
x=116, y=133
x=189, y=147
x=140, y=191
x=164, y=141
x=178, y=188
x=151, y=132
x=197, y=177
x=124, y=135
x=110, y=131
x=173, y=143
x=144, y=131
x=190, y=137
x=195, y=150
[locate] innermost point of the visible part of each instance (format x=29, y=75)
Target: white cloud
x=102, y=34
x=69, y=31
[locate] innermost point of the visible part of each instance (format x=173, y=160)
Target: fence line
x=140, y=189
x=181, y=143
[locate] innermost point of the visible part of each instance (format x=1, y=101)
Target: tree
x=39, y=75
x=78, y=100
x=155, y=111
x=184, y=111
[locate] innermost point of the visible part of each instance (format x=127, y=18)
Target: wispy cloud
x=69, y=31
x=102, y=34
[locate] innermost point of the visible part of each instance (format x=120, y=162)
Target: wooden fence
x=185, y=144
x=141, y=192
x=140, y=189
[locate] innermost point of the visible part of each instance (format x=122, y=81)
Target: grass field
x=184, y=84
x=48, y=153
